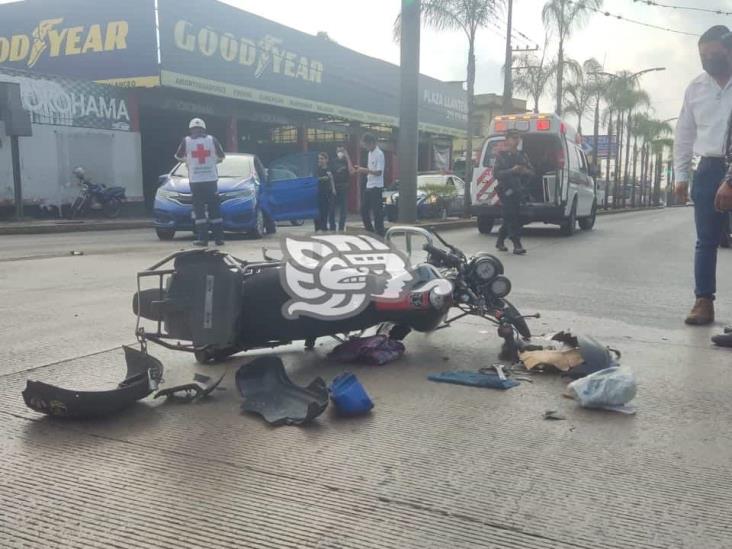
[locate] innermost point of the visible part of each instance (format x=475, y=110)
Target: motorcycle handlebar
x=449, y=259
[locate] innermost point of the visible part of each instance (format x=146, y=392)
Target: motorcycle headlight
x=165, y=193
x=486, y=268
x=246, y=193
x=501, y=286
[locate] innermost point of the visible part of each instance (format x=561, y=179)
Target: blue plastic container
x=349, y=396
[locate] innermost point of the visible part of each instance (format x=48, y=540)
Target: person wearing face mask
x=701, y=131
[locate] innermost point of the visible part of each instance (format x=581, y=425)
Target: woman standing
x=326, y=192
x=342, y=171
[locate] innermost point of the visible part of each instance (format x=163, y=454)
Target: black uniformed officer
x=511, y=168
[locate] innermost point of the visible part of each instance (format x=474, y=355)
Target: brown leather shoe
x=701, y=313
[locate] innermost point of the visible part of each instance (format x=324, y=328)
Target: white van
x=563, y=190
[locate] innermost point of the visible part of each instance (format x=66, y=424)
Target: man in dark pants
x=373, y=201
x=701, y=130
x=512, y=165
x=201, y=153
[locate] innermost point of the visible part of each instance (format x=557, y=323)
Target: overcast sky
x=366, y=26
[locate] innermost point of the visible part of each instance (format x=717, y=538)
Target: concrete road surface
x=434, y=466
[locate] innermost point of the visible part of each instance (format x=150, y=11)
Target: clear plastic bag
x=609, y=389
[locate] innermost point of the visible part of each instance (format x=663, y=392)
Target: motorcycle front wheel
x=76, y=208
x=515, y=318
x=112, y=208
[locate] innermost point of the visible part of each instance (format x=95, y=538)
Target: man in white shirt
x=201, y=153
x=701, y=130
x=372, y=199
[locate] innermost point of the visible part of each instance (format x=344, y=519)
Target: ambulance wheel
x=485, y=224
x=165, y=234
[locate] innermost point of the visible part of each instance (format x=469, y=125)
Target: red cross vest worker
x=201, y=153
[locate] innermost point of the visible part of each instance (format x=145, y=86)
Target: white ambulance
x=562, y=191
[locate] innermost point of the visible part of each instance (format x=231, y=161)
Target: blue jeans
x=709, y=224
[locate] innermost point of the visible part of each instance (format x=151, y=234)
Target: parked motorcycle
x=95, y=197
x=215, y=305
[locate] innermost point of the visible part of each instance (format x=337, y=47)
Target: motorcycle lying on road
x=215, y=305
x=95, y=197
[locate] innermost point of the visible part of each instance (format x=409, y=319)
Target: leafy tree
x=564, y=17
x=467, y=16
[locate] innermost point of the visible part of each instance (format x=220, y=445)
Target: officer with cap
x=511, y=168
x=201, y=153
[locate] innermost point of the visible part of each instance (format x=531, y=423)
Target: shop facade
x=262, y=87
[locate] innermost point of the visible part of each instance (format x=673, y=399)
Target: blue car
x=253, y=199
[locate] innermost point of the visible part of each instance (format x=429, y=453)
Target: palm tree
x=468, y=16
x=532, y=76
x=632, y=101
x=581, y=88
x=564, y=17
x=659, y=147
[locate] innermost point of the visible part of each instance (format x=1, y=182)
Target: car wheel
x=568, y=228
x=259, y=229
x=587, y=223
x=297, y=222
x=165, y=234
x=485, y=224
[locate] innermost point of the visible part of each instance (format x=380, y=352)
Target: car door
x=457, y=202
x=289, y=199
x=586, y=186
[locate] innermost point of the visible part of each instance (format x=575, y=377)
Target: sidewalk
x=47, y=226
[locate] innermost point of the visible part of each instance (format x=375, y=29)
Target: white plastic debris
x=609, y=389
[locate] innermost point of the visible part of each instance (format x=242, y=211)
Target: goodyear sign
x=105, y=40
x=213, y=48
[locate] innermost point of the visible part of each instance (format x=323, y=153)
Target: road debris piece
x=609, y=389
x=349, y=396
x=199, y=388
x=377, y=350
x=575, y=356
x=267, y=391
x=554, y=415
x=144, y=372
x=484, y=379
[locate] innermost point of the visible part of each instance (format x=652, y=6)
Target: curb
x=83, y=226
x=72, y=227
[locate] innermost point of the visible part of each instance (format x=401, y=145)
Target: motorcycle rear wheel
x=515, y=318
x=112, y=208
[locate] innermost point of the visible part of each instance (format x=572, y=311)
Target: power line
x=628, y=20
x=689, y=8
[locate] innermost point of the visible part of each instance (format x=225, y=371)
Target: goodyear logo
x=267, y=55
x=51, y=38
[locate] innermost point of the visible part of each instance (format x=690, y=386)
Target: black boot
x=518, y=249
x=202, y=236
x=218, y=233
x=501, y=244
x=723, y=340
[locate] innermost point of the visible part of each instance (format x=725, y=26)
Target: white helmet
x=197, y=123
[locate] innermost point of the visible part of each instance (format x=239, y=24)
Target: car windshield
x=424, y=181
x=233, y=166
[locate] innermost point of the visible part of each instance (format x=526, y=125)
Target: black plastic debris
x=199, y=388
x=144, y=372
x=268, y=391
x=596, y=357
x=553, y=415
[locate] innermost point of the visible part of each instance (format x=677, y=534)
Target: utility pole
x=408, y=145
x=508, y=72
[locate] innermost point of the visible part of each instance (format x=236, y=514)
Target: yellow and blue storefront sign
x=100, y=40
